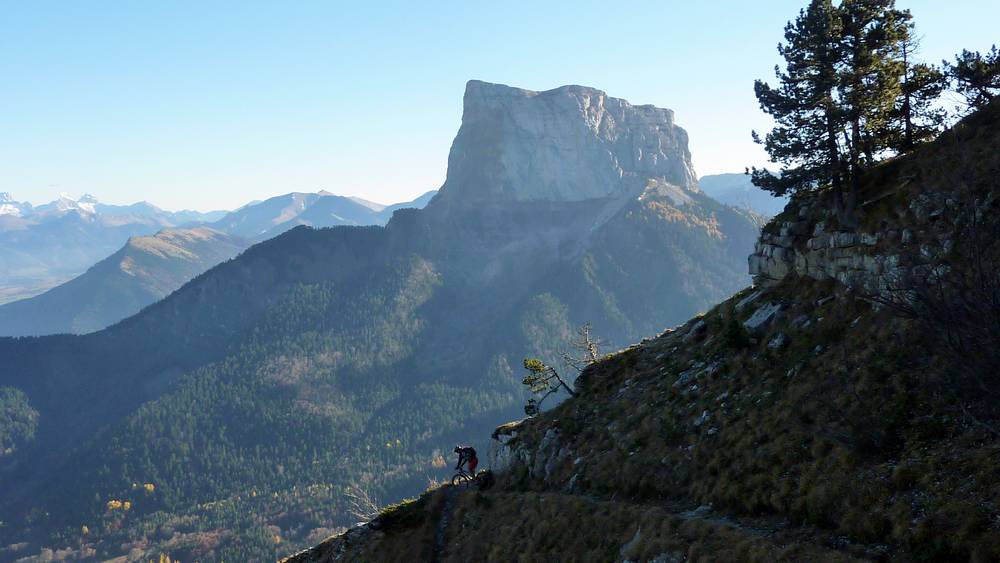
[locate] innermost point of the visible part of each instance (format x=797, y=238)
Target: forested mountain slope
x=357, y=356
x=834, y=412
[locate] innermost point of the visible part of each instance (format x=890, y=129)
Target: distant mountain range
x=249, y=398
x=736, y=189
x=89, y=205
x=271, y=217
x=43, y=246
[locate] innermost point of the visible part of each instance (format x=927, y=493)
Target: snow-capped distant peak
x=66, y=203
x=87, y=203
x=10, y=207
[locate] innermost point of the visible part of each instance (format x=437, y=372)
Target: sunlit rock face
x=572, y=143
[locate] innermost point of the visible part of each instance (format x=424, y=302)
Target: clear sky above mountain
x=210, y=105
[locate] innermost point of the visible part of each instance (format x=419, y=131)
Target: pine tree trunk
x=907, y=118
x=834, y=161
x=849, y=201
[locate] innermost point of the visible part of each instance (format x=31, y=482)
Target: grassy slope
x=829, y=441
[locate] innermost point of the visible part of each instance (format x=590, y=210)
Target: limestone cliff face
x=572, y=143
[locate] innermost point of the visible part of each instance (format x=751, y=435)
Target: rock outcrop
x=802, y=243
x=571, y=143
x=805, y=241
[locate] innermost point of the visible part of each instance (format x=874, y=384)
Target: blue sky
x=211, y=104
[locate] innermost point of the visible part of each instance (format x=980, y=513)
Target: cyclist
x=466, y=455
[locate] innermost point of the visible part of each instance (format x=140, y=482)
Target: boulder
x=762, y=316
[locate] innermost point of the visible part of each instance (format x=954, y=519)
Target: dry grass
x=840, y=430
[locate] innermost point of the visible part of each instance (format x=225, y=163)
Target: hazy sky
x=211, y=104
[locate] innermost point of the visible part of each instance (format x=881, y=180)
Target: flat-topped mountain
x=567, y=144
x=358, y=356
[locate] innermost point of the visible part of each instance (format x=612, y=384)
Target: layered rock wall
x=805, y=241
x=806, y=247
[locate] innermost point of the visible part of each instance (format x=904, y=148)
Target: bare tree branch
x=361, y=502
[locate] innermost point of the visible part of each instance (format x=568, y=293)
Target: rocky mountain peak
x=10, y=207
x=572, y=143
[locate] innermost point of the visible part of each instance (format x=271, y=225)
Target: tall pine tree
x=807, y=139
x=917, y=119
x=848, y=97
x=977, y=76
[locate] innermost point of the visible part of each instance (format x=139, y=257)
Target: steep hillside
x=831, y=413
x=356, y=356
x=144, y=271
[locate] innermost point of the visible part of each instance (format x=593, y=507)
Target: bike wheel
x=484, y=480
x=461, y=480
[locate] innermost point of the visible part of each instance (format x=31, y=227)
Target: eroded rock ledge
x=806, y=241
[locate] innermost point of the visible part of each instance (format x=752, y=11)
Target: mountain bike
x=481, y=480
